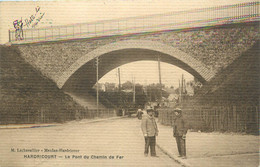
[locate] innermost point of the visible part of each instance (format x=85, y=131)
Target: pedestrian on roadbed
x=179, y=132
x=150, y=131
x=139, y=113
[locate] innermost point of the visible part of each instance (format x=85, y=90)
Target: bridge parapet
x=220, y=15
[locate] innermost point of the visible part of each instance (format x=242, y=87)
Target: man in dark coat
x=179, y=132
x=150, y=131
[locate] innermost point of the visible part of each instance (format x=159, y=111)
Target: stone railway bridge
x=202, y=50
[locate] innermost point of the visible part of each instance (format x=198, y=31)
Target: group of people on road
x=150, y=131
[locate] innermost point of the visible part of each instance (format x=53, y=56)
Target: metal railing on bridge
x=229, y=14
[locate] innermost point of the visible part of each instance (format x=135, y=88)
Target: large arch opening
x=85, y=77
x=81, y=76
x=119, y=53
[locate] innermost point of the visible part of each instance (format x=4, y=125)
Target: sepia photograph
x=129, y=83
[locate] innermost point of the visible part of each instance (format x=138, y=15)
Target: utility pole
x=180, y=91
x=182, y=86
x=133, y=90
x=97, y=83
x=119, y=88
x=119, y=81
x=160, y=79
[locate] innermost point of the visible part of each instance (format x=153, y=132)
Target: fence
x=46, y=116
x=243, y=118
x=174, y=20
x=94, y=113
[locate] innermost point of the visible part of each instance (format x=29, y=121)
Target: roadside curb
x=25, y=126
x=99, y=120
x=175, y=158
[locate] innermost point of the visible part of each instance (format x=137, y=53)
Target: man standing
x=150, y=131
x=179, y=132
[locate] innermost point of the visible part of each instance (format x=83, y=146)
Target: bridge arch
x=167, y=53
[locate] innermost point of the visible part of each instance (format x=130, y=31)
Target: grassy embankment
x=29, y=97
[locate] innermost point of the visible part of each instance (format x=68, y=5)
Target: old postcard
x=129, y=83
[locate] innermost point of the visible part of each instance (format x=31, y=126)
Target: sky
x=69, y=12
x=146, y=72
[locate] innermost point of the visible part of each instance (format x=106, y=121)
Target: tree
x=154, y=92
x=127, y=85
